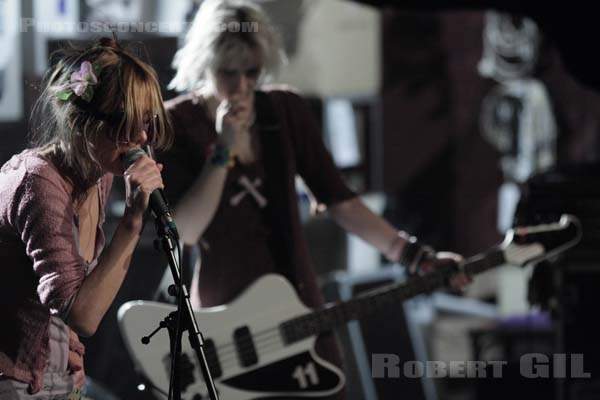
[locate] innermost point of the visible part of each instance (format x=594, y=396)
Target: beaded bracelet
x=219, y=155
x=414, y=254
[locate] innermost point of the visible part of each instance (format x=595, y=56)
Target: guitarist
x=231, y=171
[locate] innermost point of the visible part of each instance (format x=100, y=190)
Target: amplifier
x=569, y=286
x=390, y=331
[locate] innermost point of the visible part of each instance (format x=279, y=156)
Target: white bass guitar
x=261, y=346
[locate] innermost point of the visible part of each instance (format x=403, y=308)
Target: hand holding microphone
x=144, y=187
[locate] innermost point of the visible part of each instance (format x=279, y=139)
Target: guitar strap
x=280, y=186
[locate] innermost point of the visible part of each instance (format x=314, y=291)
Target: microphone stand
x=181, y=320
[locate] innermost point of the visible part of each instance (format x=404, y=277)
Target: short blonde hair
x=219, y=26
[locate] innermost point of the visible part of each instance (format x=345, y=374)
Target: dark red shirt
x=245, y=241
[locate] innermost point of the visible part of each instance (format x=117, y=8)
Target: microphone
x=158, y=202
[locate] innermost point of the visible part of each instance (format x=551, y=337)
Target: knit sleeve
x=42, y=214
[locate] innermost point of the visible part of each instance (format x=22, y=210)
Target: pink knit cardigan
x=41, y=268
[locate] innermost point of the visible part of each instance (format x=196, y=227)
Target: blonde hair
x=127, y=91
x=221, y=28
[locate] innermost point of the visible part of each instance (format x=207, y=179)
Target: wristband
x=219, y=155
x=413, y=255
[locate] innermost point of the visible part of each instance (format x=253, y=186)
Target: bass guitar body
x=246, y=352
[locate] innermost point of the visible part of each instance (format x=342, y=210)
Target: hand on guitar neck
x=522, y=245
x=446, y=259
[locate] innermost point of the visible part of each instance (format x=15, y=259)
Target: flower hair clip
x=82, y=82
